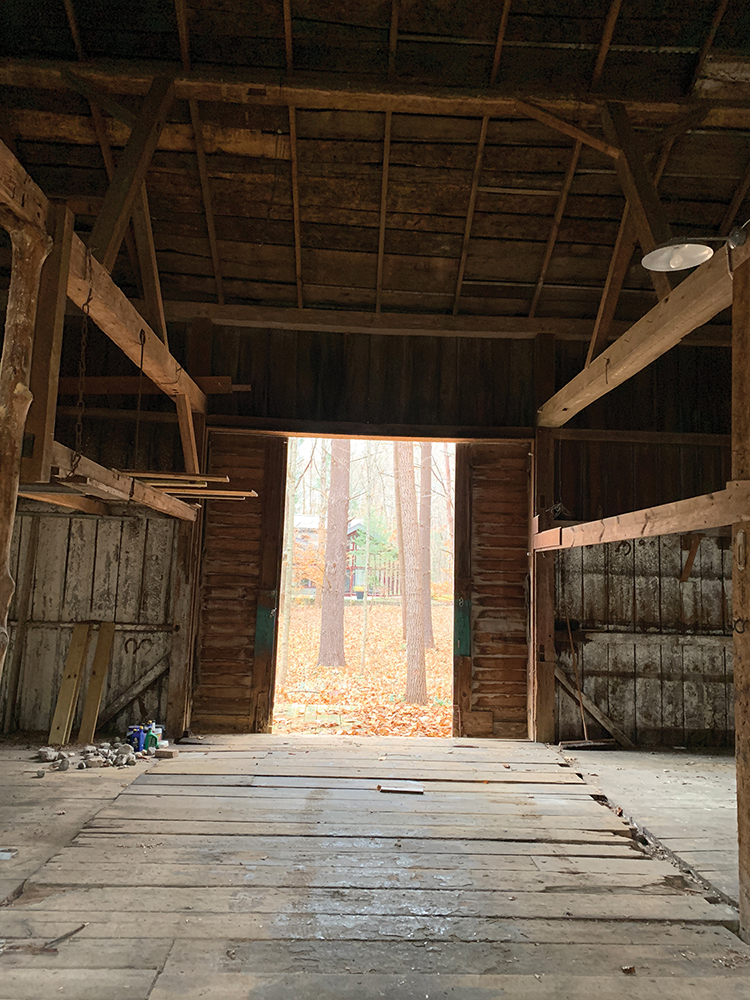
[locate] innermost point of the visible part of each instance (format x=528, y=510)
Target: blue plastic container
x=136, y=737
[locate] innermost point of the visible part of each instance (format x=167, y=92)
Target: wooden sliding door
x=240, y=586
x=491, y=586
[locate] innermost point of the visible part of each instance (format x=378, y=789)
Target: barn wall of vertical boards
x=626, y=604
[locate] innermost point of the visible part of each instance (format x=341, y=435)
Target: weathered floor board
x=277, y=869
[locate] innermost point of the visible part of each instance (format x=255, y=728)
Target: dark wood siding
x=242, y=548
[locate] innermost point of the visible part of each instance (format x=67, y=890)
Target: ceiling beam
x=713, y=510
x=183, y=30
x=258, y=87
x=117, y=207
x=734, y=206
x=625, y=244
x=118, y=318
x=470, y=212
x=383, y=209
x=295, y=206
x=606, y=40
x=392, y=323
x=556, y=222
x=499, y=42
x=708, y=41
x=694, y=302
x=393, y=38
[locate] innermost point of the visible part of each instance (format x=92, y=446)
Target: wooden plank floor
x=265, y=867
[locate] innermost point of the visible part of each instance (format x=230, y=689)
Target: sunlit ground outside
x=348, y=701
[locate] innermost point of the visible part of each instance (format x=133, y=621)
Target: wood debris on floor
x=263, y=867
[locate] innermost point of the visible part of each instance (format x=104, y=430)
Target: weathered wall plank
x=115, y=568
x=654, y=650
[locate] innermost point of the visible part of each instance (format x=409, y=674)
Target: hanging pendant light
x=677, y=255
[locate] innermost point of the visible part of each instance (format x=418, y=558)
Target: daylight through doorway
x=365, y=634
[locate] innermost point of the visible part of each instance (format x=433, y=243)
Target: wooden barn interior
x=229, y=222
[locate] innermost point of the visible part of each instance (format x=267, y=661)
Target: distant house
x=384, y=580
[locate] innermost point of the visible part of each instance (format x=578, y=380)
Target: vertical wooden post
x=462, y=591
x=45, y=366
x=29, y=250
x=541, y=686
x=180, y=689
x=741, y=578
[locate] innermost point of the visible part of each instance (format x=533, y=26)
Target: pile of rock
x=103, y=755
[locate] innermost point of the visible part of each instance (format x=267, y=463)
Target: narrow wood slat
x=62, y=720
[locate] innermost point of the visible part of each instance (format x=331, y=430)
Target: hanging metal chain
x=140, y=397
x=81, y=403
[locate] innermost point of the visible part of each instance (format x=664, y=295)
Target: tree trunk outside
x=448, y=494
x=323, y=507
x=287, y=568
x=399, y=540
x=425, y=539
x=365, y=598
x=416, y=674
x=332, y=620
x=29, y=250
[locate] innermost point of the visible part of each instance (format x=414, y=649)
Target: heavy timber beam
x=694, y=302
x=405, y=324
x=255, y=87
x=39, y=429
x=114, y=216
x=714, y=510
x=115, y=316
x=30, y=246
x=741, y=578
x=88, y=282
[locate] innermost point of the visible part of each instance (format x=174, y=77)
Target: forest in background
x=365, y=629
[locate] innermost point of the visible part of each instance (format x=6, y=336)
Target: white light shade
x=677, y=256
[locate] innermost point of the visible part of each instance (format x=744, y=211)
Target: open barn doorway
x=365, y=631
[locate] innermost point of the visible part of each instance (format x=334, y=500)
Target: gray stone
x=132, y=761
x=82, y=765
x=40, y=774
x=63, y=765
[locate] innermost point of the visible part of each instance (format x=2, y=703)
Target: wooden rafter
x=97, y=99
x=499, y=41
x=708, y=41
x=557, y=220
x=606, y=41
x=470, y=212
x=183, y=30
x=696, y=300
x=625, y=245
x=393, y=38
x=383, y=209
x=713, y=510
x=639, y=188
x=117, y=207
x=295, y=207
x=288, y=45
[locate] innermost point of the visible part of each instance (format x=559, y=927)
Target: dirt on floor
x=364, y=702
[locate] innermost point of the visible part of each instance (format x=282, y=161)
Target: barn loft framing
x=381, y=222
